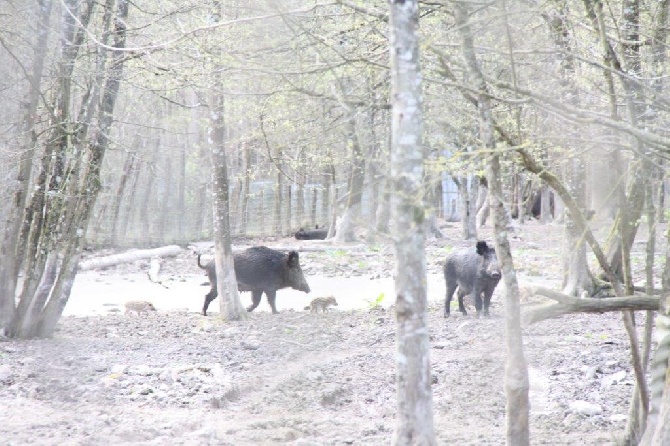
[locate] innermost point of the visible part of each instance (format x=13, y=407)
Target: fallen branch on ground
x=127, y=257
x=567, y=304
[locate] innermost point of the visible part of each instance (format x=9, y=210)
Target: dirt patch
x=175, y=377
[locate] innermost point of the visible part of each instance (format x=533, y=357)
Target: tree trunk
x=279, y=189
x=382, y=215
x=229, y=298
x=147, y=193
x=332, y=199
x=115, y=213
x=261, y=211
x=516, y=370
x=313, y=207
x=576, y=275
x=414, y=419
x=244, y=212
x=300, y=191
x=546, y=208
x=483, y=205
x=236, y=207
x=164, y=194
x=41, y=225
x=80, y=211
x=68, y=206
x=289, y=214
x=181, y=196
x=10, y=262
x=130, y=206
x=345, y=231
x=328, y=184
x=657, y=429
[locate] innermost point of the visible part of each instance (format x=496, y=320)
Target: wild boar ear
x=293, y=258
x=482, y=247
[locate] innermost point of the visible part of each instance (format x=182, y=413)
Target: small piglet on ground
x=139, y=307
x=260, y=269
x=475, y=272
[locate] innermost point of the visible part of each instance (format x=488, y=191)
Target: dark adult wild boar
x=311, y=234
x=260, y=269
x=475, y=272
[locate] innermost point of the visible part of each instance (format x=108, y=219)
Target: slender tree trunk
x=261, y=211
x=164, y=223
x=236, y=207
x=115, y=214
x=414, y=419
x=229, y=298
x=325, y=198
x=576, y=275
x=230, y=304
x=332, y=199
x=131, y=205
x=41, y=225
x=279, y=189
x=289, y=214
x=516, y=370
x=300, y=190
x=181, y=196
x=382, y=216
x=313, y=208
x=345, y=231
x=147, y=193
x=82, y=209
x=467, y=188
x=10, y=261
x=546, y=213
x=483, y=205
x=244, y=216
x=473, y=194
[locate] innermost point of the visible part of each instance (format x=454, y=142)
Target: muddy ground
x=176, y=377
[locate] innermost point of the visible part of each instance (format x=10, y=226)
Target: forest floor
x=176, y=377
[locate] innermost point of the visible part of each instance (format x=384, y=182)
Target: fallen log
x=565, y=304
x=129, y=256
x=312, y=246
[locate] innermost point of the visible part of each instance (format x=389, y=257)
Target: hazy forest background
x=112, y=112
x=576, y=84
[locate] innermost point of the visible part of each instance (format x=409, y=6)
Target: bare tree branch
x=567, y=304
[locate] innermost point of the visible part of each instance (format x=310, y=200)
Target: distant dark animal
x=321, y=303
x=475, y=272
x=312, y=234
x=260, y=269
x=536, y=204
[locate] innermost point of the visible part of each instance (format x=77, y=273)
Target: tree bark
x=229, y=298
x=576, y=275
x=115, y=213
x=467, y=188
x=279, y=192
x=568, y=304
x=414, y=419
x=516, y=369
x=243, y=218
x=10, y=262
x=345, y=231
x=130, y=205
x=483, y=205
